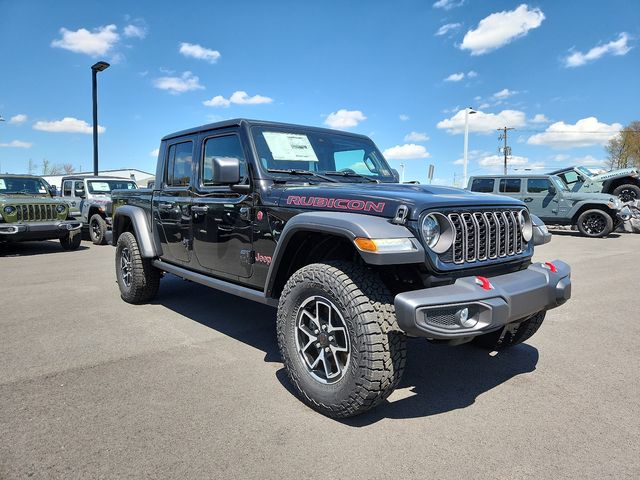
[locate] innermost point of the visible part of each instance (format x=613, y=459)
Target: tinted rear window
x=482, y=185
x=510, y=185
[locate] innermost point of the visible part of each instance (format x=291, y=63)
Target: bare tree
x=68, y=168
x=49, y=169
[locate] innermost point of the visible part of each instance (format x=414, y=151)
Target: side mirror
x=53, y=190
x=226, y=170
x=552, y=190
x=540, y=233
x=396, y=175
x=80, y=193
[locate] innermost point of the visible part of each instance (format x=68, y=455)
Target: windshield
x=342, y=157
x=25, y=185
x=585, y=171
x=106, y=186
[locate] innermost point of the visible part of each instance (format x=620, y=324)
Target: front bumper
x=435, y=312
x=38, y=230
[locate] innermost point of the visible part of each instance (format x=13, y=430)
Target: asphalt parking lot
x=192, y=386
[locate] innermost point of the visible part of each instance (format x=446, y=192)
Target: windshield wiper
x=295, y=171
x=352, y=174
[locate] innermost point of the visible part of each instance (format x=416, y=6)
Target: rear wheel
x=595, y=223
x=339, y=339
x=137, y=278
x=98, y=229
x=71, y=241
x=627, y=192
x=511, y=334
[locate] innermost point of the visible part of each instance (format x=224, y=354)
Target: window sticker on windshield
x=100, y=186
x=293, y=147
x=3, y=186
x=41, y=189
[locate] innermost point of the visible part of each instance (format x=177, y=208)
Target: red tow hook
x=551, y=267
x=484, y=283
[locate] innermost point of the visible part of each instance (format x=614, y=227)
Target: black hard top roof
x=560, y=170
x=93, y=177
x=513, y=175
x=235, y=122
x=21, y=175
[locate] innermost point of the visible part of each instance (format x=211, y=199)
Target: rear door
x=511, y=187
x=172, y=202
x=540, y=200
x=221, y=218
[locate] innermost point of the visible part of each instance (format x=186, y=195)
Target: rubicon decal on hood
x=336, y=203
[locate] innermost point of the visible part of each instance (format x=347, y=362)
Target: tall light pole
x=98, y=67
x=1, y=120
x=467, y=111
x=402, y=173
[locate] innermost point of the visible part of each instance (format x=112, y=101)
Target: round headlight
x=9, y=210
x=526, y=226
x=61, y=208
x=437, y=232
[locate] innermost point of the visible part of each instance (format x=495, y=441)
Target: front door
x=222, y=228
x=172, y=203
x=542, y=198
x=68, y=193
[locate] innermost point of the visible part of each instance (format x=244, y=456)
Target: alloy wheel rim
x=95, y=228
x=322, y=340
x=627, y=195
x=125, y=267
x=594, y=224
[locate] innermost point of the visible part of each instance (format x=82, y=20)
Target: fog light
x=462, y=317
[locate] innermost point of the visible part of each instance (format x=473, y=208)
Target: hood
x=382, y=199
x=30, y=199
x=582, y=196
x=621, y=172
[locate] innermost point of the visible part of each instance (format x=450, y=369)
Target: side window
x=179, y=164
x=228, y=146
x=482, y=185
x=66, y=188
x=78, y=186
x=538, y=185
x=509, y=185
x=570, y=177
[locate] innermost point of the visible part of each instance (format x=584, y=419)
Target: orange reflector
x=365, y=244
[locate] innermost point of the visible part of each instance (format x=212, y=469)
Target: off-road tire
x=69, y=242
x=377, y=347
x=511, y=335
x=627, y=192
x=144, y=279
x=98, y=229
x=605, y=219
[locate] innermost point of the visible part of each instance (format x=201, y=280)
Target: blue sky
x=564, y=74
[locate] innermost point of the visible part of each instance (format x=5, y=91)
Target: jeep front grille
x=484, y=235
x=36, y=213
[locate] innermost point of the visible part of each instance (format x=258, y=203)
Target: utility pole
x=31, y=167
x=506, y=149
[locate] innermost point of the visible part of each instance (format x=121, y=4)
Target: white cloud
x=16, y=144
x=589, y=161
x=586, y=132
x=501, y=28
x=18, y=119
x=198, y=51
x=615, y=47
x=403, y=117
x=483, y=122
x=66, y=125
x=344, y=118
x=472, y=74
x=408, y=151
x=561, y=157
x=448, y=27
x=455, y=77
x=448, y=4
x=416, y=137
x=100, y=41
x=135, y=31
x=504, y=93
x=540, y=118
x=239, y=98
x=154, y=153
x=498, y=161
x=176, y=85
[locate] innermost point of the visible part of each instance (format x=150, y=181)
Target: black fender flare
x=349, y=226
x=141, y=228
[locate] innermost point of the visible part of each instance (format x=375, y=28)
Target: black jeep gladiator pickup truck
x=314, y=221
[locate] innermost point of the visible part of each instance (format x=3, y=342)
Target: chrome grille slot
x=484, y=235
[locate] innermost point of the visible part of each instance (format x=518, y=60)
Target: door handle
x=528, y=199
x=165, y=206
x=199, y=208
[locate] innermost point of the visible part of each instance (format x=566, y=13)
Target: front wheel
x=512, y=334
x=338, y=337
x=137, y=278
x=627, y=192
x=595, y=223
x=98, y=229
x=71, y=241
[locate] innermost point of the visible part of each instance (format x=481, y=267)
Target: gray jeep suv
x=547, y=196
